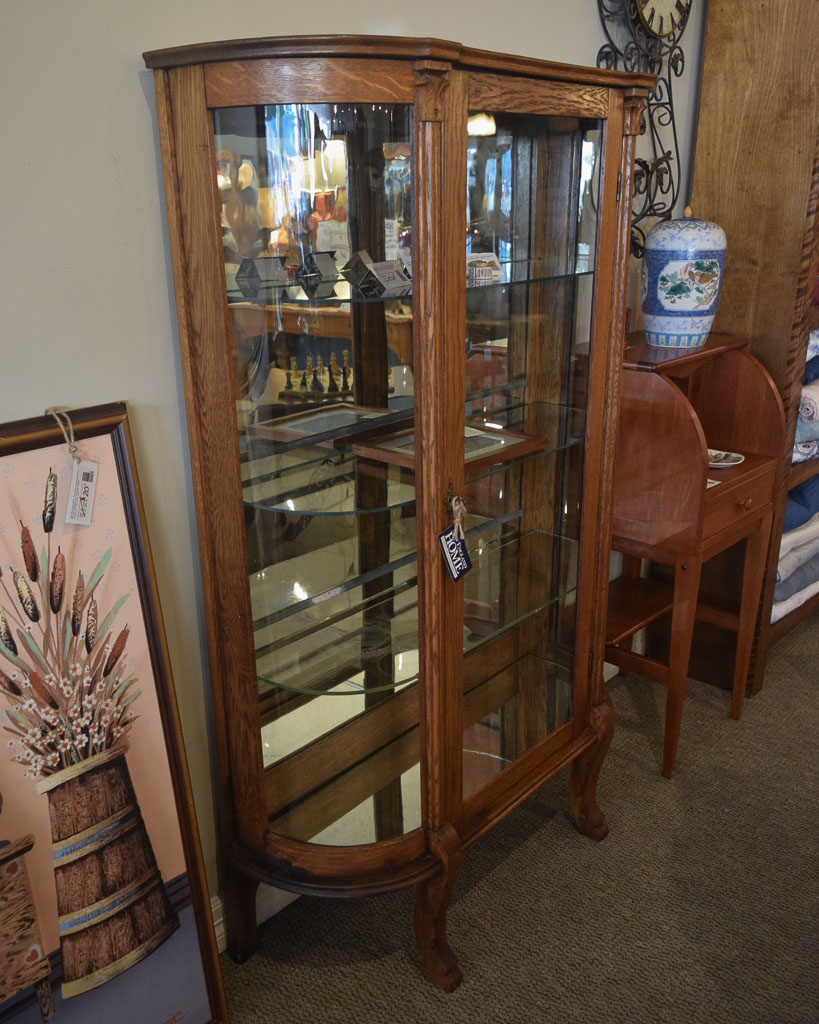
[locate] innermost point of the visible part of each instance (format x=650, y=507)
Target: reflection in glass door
x=316, y=222
x=530, y=263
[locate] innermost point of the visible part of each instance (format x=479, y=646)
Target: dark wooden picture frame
x=127, y=952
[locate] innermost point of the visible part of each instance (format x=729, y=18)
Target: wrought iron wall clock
x=644, y=35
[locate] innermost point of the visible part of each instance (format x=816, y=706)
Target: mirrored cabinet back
x=400, y=270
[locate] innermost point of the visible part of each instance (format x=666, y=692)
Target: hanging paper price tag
x=453, y=543
x=80, y=507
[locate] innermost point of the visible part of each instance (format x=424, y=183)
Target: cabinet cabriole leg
x=588, y=817
x=240, y=916
x=431, y=902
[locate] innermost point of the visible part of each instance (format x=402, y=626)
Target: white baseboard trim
x=269, y=901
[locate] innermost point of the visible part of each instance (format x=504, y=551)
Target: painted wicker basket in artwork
x=112, y=905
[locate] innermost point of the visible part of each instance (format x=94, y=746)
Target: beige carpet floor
x=700, y=906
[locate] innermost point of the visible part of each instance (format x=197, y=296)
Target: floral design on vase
x=682, y=270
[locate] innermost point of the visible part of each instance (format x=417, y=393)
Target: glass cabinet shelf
x=331, y=485
x=313, y=650
x=285, y=590
x=512, y=272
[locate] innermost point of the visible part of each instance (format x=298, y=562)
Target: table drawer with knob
x=729, y=502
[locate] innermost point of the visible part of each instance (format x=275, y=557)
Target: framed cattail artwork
x=104, y=912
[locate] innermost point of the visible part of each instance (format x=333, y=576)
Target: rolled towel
x=805, y=451
x=809, y=402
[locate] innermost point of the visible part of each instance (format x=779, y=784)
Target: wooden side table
x=671, y=508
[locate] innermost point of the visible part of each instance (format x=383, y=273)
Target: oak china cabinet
x=399, y=269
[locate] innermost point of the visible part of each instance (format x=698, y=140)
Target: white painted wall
x=85, y=284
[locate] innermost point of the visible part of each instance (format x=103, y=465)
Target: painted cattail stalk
x=5, y=634
x=116, y=651
x=57, y=588
x=50, y=502
x=91, y=625
x=42, y=690
x=76, y=608
x=26, y=597
x=29, y=554
x=9, y=685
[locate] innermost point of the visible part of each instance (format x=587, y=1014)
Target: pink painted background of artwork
x=22, y=488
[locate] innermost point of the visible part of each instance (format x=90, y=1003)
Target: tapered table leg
x=686, y=587
x=756, y=553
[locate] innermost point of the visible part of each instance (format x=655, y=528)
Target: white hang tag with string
x=453, y=543
x=80, y=507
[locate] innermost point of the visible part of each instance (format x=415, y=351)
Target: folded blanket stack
x=797, y=575
x=807, y=426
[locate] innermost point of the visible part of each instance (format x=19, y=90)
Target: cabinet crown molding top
x=401, y=47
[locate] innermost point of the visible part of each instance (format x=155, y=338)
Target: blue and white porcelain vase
x=683, y=264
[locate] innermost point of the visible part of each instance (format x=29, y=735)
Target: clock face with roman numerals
x=662, y=17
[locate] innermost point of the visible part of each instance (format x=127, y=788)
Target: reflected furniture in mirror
x=695, y=470
x=400, y=272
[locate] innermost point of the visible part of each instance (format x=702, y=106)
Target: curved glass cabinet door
x=316, y=225
x=532, y=184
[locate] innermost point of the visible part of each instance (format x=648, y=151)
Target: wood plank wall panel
x=756, y=140
x=759, y=111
